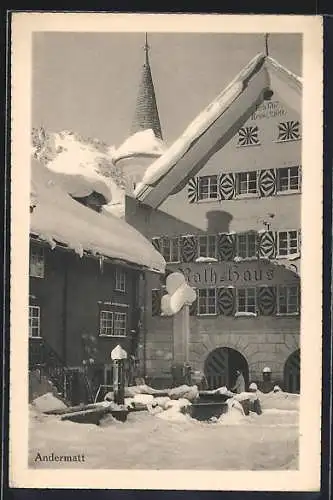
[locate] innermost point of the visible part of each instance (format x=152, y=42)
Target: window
x=247, y=183
x=288, y=302
x=207, y=187
x=246, y=300
x=207, y=246
x=106, y=323
x=34, y=321
x=288, y=179
x=37, y=261
x=120, y=280
x=119, y=325
x=207, y=301
x=170, y=249
x=287, y=243
x=247, y=245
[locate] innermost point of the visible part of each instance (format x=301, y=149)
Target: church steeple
x=146, y=112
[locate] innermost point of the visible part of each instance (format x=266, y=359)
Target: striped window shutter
x=156, y=242
x=194, y=306
x=188, y=248
x=267, y=182
x=266, y=245
x=266, y=300
x=227, y=186
x=225, y=301
x=156, y=296
x=226, y=246
x=193, y=189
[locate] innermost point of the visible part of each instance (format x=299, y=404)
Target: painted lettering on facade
x=270, y=109
x=210, y=276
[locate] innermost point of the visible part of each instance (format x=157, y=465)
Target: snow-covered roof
x=143, y=142
x=216, y=125
x=115, y=209
x=78, y=163
x=56, y=217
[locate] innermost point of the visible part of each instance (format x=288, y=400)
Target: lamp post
x=118, y=356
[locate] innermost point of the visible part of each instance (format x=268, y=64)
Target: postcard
x=166, y=251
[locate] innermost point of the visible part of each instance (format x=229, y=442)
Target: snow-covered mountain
x=81, y=165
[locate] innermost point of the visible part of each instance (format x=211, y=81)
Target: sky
x=88, y=82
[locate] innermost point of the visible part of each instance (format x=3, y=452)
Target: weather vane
x=266, y=43
x=146, y=46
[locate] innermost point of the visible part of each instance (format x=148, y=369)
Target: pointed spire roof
x=146, y=112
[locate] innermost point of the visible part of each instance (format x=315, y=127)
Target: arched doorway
x=221, y=365
x=292, y=376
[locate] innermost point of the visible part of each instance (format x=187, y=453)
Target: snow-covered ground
x=265, y=442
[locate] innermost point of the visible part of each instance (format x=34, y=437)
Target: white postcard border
x=308, y=476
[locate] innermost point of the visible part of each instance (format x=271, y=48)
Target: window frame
x=199, y=291
x=172, y=241
x=207, y=246
x=36, y=307
x=246, y=298
x=209, y=196
x=35, y=250
x=247, y=234
x=287, y=288
x=289, y=190
x=247, y=194
x=289, y=253
x=120, y=280
x=117, y=334
x=100, y=333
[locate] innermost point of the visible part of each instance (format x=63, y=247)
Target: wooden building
x=85, y=275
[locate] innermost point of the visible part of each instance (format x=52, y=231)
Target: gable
x=270, y=138
x=216, y=126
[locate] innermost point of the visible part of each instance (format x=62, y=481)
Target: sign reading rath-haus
x=238, y=274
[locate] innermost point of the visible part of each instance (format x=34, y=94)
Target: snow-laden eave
x=286, y=85
x=44, y=240
x=56, y=217
x=284, y=71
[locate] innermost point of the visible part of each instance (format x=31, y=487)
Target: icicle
x=79, y=250
x=51, y=242
x=101, y=263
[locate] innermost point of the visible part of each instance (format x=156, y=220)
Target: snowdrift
x=280, y=401
x=57, y=218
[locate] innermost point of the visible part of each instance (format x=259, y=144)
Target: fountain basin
x=205, y=410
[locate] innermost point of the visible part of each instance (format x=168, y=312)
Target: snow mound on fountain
x=279, y=401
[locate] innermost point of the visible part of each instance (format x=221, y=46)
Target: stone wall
x=262, y=342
